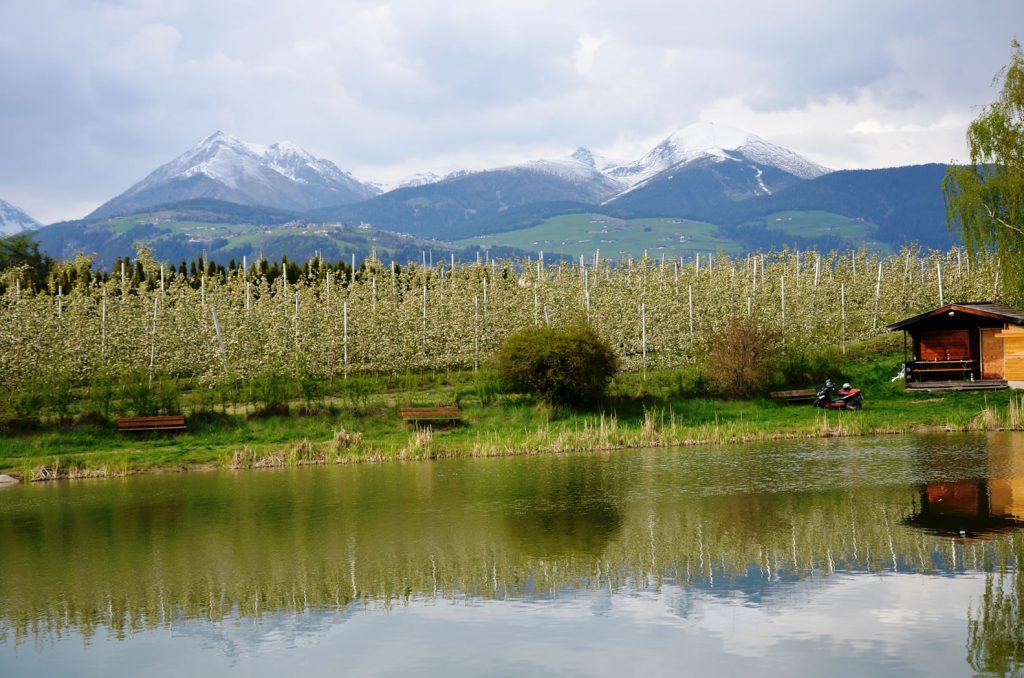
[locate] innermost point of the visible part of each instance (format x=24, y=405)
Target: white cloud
x=99, y=93
x=586, y=49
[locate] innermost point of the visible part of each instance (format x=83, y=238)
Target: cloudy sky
x=95, y=94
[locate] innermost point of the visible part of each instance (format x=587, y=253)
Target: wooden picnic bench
x=417, y=414
x=165, y=423
x=800, y=395
x=961, y=367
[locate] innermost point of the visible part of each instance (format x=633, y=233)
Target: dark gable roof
x=985, y=309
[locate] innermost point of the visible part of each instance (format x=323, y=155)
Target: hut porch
x=958, y=385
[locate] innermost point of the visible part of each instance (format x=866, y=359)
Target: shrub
x=570, y=365
x=743, y=358
x=271, y=388
x=137, y=398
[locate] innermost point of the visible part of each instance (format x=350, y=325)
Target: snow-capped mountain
x=423, y=179
x=599, y=162
x=13, y=220
x=717, y=143
x=581, y=169
x=225, y=168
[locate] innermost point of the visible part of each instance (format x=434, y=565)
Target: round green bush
x=564, y=365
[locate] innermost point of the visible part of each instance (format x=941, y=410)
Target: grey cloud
x=97, y=94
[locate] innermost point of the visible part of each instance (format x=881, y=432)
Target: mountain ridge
x=223, y=167
x=14, y=220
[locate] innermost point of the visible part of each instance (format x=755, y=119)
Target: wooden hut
x=964, y=346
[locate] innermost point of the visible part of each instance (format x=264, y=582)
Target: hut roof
x=984, y=309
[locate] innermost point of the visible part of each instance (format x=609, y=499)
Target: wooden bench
x=417, y=414
x=962, y=367
x=800, y=395
x=168, y=423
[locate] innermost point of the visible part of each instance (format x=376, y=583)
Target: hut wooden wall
x=945, y=345
x=1013, y=352
x=992, y=360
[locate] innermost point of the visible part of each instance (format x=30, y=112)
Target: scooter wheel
x=853, y=405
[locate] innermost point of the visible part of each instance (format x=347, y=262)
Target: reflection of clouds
x=270, y=634
x=846, y=624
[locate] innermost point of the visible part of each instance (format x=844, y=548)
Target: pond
x=880, y=556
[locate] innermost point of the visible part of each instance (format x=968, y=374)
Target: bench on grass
x=417, y=414
x=800, y=395
x=167, y=423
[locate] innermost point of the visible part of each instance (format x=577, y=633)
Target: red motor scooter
x=846, y=398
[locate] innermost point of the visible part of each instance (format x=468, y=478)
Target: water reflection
x=776, y=533
x=992, y=503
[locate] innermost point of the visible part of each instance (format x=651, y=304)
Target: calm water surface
x=887, y=556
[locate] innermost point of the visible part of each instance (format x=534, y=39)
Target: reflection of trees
x=143, y=553
x=995, y=642
x=565, y=511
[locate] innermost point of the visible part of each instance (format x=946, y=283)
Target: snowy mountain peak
x=226, y=168
x=13, y=220
x=707, y=140
x=704, y=137
x=585, y=156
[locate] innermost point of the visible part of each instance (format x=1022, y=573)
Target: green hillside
x=576, y=234
x=580, y=234
x=222, y=232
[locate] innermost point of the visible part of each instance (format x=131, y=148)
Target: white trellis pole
x=220, y=338
x=782, y=282
x=938, y=267
x=643, y=333
x=103, y=323
x=344, y=339
x=245, y=280
x=586, y=288
x=425, y=317
x=60, y=301
x=476, y=333
x=842, y=302
x=878, y=293
x=690, y=292
x=152, y=342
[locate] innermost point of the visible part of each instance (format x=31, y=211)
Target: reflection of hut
x=961, y=346
x=970, y=507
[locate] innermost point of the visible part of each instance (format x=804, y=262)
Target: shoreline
x=304, y=452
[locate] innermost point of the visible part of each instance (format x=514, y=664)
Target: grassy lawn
x=640, y=411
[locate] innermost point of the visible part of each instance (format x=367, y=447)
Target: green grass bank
x=362, y=423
